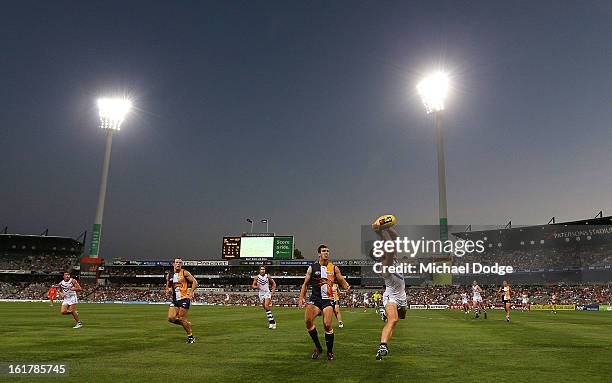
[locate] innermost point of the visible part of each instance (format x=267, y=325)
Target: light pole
x=249, y=220
x=266, y=222
x=112, y=113
x=433, y=90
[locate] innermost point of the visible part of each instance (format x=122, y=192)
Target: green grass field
x=121, y=343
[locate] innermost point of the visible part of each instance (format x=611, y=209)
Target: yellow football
x=385, y=221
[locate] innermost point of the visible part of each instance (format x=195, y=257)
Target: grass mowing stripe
x=136, y=343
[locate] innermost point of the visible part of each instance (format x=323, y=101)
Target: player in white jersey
x=395, y=303
x=366, y=302
x=464, y=302
x=355, y=300
x=263, y=281
x=525, y=301
x=68, y=288
x=477, y=300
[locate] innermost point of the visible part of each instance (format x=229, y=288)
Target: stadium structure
x=568, y=253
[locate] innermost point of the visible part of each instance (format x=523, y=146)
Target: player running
x=366, y=302
x=506, y=295
x=464, y=302
x=321, y=277
x=68, y=288
x=177, y=284
x=262, y=281
x=336, y=305
x=525, y=301
x=395, y=303
x=477, y=300
x=553, y=301
x=52, y=294
x=377, y=298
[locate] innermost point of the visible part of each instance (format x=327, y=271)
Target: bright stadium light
x=113, y=112
x=433, y=91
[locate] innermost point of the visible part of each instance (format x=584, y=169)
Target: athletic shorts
x=181, y=303
x=335, y=303
x=263, y=296
x=71, y=300
x=504, y=301
x=366, y=302
x=320, y=303
x=397, y=298
x=525, y=301
x=464, y=302
x=477, y=298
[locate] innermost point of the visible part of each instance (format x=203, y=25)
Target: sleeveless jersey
x=506, y=290
x=394, y=282
x=335, y=291
x=322, y=280
x=66, y=288
x=263, y=283
x=179, y=286
x=475, y=292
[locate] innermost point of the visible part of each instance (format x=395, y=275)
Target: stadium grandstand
x=574, y=257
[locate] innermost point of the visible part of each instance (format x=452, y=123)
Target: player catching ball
x=177, y=284
x=321, y=276
x=263, y=281
x=395, y=303
x=68, y=288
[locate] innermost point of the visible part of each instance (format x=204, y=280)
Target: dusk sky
x=305, y=113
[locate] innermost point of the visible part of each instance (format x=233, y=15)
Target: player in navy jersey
x=321, y=276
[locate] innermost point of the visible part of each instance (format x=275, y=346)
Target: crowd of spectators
x=543, y=258
x=433, y=295
x=38, y=262
x=227, y=272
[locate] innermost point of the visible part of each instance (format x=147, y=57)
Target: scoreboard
x=231, y=247
x=263, y=246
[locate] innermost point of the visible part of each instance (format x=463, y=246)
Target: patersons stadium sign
x=558, y=236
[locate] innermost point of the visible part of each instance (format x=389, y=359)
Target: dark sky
x=304, y=113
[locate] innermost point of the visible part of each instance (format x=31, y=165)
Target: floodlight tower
x=112, y=113
x=433, y=90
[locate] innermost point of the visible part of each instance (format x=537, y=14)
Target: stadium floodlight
x=265, y=220
x=250, y=220
x=433, y=90
x=112, y=114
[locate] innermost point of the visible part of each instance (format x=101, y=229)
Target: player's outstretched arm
x=305, y=287
x=254, y=284
x=390, y=256
x=168, y=287
x=341, y=279
x=393, y=233
x=194, y=283
x=273, y=282
x=76, y=286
